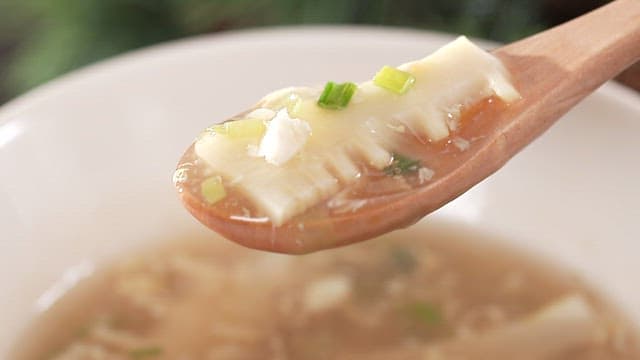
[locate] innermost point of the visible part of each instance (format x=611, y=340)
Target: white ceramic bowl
x=86, y=161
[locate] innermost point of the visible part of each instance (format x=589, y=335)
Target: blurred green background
x=41, y=39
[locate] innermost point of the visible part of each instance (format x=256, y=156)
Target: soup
x=408, y=295
x=293, y=163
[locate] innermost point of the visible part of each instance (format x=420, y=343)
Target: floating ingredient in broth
x=552, y=330
x=328, y=292
x=145, y=353
x=403, y=259
x=423, y=313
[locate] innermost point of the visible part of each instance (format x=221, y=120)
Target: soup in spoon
x=309, y=156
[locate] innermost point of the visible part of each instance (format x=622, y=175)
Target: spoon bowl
x=552, y=70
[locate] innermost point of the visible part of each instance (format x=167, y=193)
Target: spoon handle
x=557, y=68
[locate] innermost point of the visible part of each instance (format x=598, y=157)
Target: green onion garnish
x=424, y=313
x=294, y=104
x=212, y=189
x=145, y=353
x=403, y=259
x=336, y=96
x=291, y=101
x=394, y=80
x=401, y=165
x=242, y=128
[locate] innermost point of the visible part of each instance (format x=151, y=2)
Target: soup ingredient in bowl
x=441, y=295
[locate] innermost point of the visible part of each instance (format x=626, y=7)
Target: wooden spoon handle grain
x=557, y=68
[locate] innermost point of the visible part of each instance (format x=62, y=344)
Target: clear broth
x=202, y=299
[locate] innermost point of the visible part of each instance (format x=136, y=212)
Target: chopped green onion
x=294, y=104
x=291, y=101
x=145, y=353
x=424, y=313
x=241, y=128
x=394, y=80
x=401, y=165
x=336, y=96
x=403, y=259
x=212, y=189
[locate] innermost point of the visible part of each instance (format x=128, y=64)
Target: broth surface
x=203, y=299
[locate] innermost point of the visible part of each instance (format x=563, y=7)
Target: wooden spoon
x=553, y=71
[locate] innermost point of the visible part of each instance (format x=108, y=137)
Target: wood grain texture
x=557, y=68
x=631, y=77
